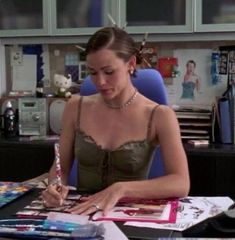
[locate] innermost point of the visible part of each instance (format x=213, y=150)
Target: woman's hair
x=115, y=39
x=191, y=61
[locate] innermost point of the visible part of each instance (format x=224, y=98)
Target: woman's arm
x=198, y=84
x=175, y=182
x=54, y=195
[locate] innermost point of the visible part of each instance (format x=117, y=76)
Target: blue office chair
x=149, y=82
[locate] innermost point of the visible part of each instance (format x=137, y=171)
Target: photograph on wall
x=223, y=64
x=231, y=68
x=166, y=66
x=193, y=86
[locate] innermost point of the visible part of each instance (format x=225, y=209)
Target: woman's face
x=109, y=73
x=190, y=67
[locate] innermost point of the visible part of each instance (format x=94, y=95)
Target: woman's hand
x=54, y=195
x=101, y=201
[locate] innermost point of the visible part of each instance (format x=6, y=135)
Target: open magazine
x=36, y=209
x=10, y=191
x=143, y=210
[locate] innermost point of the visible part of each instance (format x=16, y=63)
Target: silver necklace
x=124, y=105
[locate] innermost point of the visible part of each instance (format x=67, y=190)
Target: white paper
x=25, y=76
x=67, y=217
x=16, y=56
x=191, y=211
x=112, y=231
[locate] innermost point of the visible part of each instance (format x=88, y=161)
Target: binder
x=225, y=120
x=230, y=94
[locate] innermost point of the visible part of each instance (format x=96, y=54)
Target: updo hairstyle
x=115, y=39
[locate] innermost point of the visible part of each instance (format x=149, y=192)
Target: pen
x=58, y=167
x=58, y=170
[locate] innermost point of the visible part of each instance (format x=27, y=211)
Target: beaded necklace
x=124, y=105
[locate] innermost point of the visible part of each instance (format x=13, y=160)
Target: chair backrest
x=149, y=82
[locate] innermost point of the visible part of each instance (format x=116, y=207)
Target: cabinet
x=84, y=17
x=154, y=17
x=211, y=170
x=211, y=167
x=178, y=16
x=24, y=18
x=21, y=161
x=52, y=17
x=214, y=15
x=73, y=17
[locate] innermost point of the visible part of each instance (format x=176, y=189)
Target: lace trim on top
x=125, y=145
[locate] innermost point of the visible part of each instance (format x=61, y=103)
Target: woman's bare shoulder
x=156, y=106
x=86, y=100
x=164, y=117
x=73, y=100
x=164, y=110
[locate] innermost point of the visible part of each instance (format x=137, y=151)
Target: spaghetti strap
x=79, y=111
x=150, y=120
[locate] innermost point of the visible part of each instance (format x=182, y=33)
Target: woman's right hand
x=54, y=195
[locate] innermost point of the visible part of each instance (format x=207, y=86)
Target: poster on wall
x=193, y=86
x=166, y=66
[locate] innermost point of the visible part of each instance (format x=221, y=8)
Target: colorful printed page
x=191, y=210
x=111, y=229
x=9, y=191
x=142, y=210
x=37, y=210
x=49, y=229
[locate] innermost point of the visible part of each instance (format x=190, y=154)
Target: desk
x=23, y=160
x=131, y=232
x=214, y=165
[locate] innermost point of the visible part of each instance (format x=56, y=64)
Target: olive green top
x=99, y=168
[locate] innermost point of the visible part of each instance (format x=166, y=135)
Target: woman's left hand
x=101, y=201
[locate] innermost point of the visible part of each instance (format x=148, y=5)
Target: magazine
x=191, y=210
x=143, y=210
x=36, y=209
x=49, y=229
x=10, y=191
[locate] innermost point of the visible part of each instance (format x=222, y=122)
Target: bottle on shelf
x=9, y=121
x=39, y=89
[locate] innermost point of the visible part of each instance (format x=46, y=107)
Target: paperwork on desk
x=111, y=229
x=191, y=211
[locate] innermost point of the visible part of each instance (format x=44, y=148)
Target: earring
x=131, y=71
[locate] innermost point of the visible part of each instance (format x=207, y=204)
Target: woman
x=114, y=133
